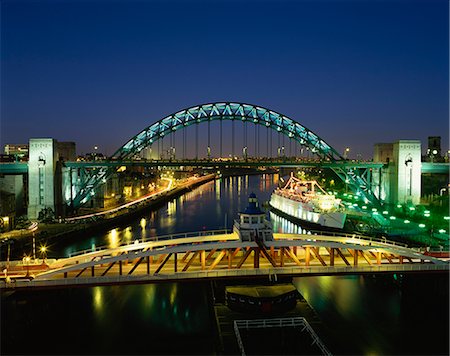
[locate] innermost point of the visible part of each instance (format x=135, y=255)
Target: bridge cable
x=271, y=149
x=279, y=146
x=184, y=144
x=232, y=139
x=196, y=142
x=256, y=143
x=208, y=150
x=221, y=121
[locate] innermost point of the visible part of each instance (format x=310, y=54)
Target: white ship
x=306, y=200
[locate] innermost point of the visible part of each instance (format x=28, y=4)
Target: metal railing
x=352, y=236
x=225, y=273
x=168, y=237
x=299, y=322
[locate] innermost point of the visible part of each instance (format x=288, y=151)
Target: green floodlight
x=374, y=209
x=406, y=221
x=426, y=212
x=399, y=206
x=392, y=217
x=422, y=225
x=385, y=212
x=442, y=231
x=446, y=217
x=364, y=207
x=412, y=208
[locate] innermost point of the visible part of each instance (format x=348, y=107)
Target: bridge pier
x=256, y=257
x=355, y=257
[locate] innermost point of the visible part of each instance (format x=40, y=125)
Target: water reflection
x=282, y=225
x=366, y=315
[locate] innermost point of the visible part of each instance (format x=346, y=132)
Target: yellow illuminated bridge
x=218, y=254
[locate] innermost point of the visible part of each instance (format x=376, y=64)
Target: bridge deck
x=217, y=255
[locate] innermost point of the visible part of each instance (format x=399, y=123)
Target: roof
x=253, y=208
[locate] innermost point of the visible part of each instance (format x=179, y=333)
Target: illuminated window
x=41, y=185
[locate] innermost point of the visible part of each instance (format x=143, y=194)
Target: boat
x=307, y=202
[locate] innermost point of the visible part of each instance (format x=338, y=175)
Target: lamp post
x=27, y=260
x=346, y=151
x=43, y=250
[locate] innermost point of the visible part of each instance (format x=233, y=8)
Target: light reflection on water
x=370, y=315
x=211, y=206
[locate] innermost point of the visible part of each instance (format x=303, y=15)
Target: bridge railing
x=358, y=237
x=299, y=322
x=154, y=239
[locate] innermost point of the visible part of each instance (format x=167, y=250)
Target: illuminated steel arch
x=226, y=111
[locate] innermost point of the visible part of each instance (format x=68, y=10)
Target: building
x=400, y=180
x=434, y=152
x=45, y=176
x=19, y=151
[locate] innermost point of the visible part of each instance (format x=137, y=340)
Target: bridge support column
x=120, y=267
x=332, y=256
x=175, y=264
x=307, y=255
x=400, y=259
x=294, y=250
x=203, y=259
x=355, y=257
x=230, y=256
x=148, y=264
x=92, y=271
x=378, y=258
x=282, y=257
x=256, y=257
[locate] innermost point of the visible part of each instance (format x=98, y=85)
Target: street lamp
x=43, y=250
x=346, y=151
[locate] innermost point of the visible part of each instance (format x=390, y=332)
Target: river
x=367, y=315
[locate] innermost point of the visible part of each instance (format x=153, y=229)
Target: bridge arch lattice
x=257, y=115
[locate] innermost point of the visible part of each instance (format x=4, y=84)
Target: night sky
x=97, y=73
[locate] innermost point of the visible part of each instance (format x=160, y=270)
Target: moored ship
x=305, y=200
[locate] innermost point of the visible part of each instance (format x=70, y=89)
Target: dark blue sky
x=97, y=73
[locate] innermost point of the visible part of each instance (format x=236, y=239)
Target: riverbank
x=51, y=231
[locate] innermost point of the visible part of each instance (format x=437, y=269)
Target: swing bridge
x=221, y=254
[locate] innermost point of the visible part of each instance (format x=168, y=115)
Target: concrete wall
x=407, y=172
x=45, y=183
x=41, y=172
x=14, y=184
x=401, y=180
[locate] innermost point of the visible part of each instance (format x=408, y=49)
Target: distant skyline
x=98, y=72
